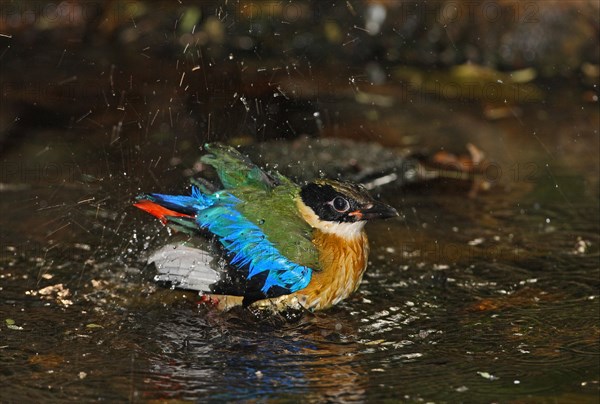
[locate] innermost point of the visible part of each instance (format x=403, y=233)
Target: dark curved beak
x=375, y=210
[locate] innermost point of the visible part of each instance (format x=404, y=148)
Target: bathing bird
x=265, y=241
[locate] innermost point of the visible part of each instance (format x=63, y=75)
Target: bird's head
x=339, y=207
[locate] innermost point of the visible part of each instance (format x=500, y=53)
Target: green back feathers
x=268, y=200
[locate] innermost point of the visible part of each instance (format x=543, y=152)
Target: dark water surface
x=471, y=295
x=492, y=298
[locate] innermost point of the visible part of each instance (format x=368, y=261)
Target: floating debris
x=10, y=323
x=488, y=376
x=58, y=291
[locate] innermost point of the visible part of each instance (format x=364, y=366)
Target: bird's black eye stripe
x=328, y=203
x=340, y=204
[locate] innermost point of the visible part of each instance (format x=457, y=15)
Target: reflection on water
x=311, y=357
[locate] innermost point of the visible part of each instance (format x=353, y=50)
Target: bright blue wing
x=249, y=248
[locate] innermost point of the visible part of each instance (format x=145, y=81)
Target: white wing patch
x=184, y=267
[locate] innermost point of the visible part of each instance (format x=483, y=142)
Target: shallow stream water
x=485, y=289
x=491, y=298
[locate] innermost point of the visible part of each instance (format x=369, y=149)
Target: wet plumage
x=271, y=242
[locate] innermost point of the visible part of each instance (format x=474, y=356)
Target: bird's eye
x=340, y=204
